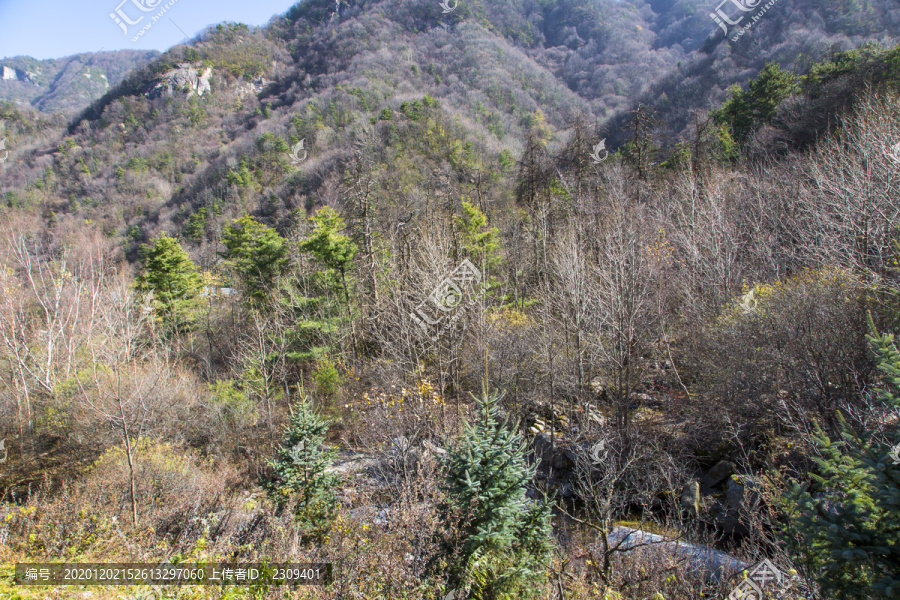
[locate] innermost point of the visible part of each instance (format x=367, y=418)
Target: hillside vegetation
x=456, y=301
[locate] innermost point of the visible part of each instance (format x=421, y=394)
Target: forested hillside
x=575, y=299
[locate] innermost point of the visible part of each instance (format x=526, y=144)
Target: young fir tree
x=300, y=476
x=849, y=538
x=503, y=543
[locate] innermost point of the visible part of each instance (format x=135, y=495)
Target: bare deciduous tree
x=126, y=382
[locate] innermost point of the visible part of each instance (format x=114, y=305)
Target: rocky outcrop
x=9, y=73
x=102, y=76
x=185, y=78
x=252, y=88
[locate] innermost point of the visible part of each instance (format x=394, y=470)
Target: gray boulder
x=713, y=564
x=349, y=464
x=741, y=491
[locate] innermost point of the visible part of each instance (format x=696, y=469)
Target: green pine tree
x=502, y=545
x=850, y=537
x=331, y=248
x=300, y=463
x=173, y=279
x=746, y=110
x=480, y=242
x=326, y=242
x=257, y=253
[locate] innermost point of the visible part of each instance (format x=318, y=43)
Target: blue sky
x=53, y=29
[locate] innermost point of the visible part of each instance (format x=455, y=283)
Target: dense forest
x=575, y=299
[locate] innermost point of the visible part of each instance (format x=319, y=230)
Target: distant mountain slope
x=434, y=100
x=66, y=84
x=671, y=54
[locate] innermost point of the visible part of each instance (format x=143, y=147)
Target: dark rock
x=718, y=473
